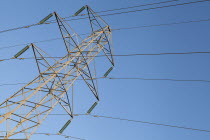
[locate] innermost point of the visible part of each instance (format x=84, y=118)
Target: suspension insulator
x=46, y=18
x=79, y=11
x=92, y=107
x=107, y=73
x=21, y=51
x=65, y=126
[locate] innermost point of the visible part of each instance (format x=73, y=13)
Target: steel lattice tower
x=25, y=110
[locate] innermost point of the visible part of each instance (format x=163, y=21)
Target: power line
x=152, y=54
x=164, y=24
x=66, y=136
x=158, y=79
x=17, y=28
x=128, y=78
x=160, y=7
x=50, y=134
x=137, y=121
x=152, y=123
x=192, y=2
x=142, y=5
x=41, y=41
x=117, y=29
x=123, y=8
x=12, y=84
x=140, y=10
x=116, y=55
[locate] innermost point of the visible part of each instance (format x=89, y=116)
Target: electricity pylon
x=24, y=111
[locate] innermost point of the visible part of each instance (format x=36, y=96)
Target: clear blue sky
x=167, y=102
